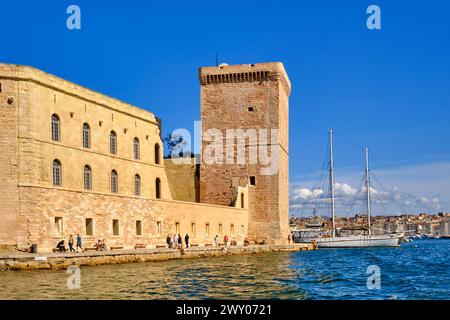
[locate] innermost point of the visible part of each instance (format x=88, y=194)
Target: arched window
x=86, y=136
x=57, y=173
x=87, y=177
x=56, y=133
x=157, y=155
x=158, y=188
x=242, y=200
x=136, y=148
x=114, y=182
x=137, y=185
x=113, y=142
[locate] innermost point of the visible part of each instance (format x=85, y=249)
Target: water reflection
x=232, y=277
x=407, y=273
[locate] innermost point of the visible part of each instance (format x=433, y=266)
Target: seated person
x=103, y=245
x=60, y=246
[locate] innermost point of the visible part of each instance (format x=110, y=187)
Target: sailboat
x=352, y=241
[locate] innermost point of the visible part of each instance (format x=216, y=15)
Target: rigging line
x=356, y=197
x=375, y=178
x=314, y=159
x=314, y=203
x=322, y=177
x=375, y=159
x=389, y=180
x=324, y=168
x=381, y=203
x=385, y=190
x=349, y=140
x=424, y=206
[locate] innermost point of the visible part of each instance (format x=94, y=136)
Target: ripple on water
x=406, y=273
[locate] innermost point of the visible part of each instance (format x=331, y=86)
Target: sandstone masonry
x=124, y=191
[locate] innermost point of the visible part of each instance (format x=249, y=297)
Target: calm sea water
x=416, y=270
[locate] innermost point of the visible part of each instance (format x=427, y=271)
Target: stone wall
x=43, y=205
x=183, y=178
x=9, y=195
x=248, y=97
x=30, y=205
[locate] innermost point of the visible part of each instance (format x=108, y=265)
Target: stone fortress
x=76, y=161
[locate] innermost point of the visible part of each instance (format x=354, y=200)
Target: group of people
x=100, y=245
x=177, y=241
x=225, y=241
x=62, y=247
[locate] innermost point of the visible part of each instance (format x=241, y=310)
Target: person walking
x=71, y=241
x=79, y=243
x=180, y=241
x=175, y=240
x=186, y=240
x=169, y=241
x=289, y=238
x=225, y=240
x=216, y=240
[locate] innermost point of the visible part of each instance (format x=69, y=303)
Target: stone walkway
x=55, y=261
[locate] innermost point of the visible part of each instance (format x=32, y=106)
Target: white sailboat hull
x=357, y=241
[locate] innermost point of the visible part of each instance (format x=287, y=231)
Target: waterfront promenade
x=58, y=261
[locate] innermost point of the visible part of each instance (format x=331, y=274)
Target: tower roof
x=275, y=71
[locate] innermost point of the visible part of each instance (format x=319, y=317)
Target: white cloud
x=306, y=194
x=344, y=189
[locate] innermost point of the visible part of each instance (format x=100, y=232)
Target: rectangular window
x=115, y=227
x=207, y=230
x=159, y=228
x=220, y=229
x=89, y=227
x=59, y=226
x=232, y=229
x=139, y=228
x=177, y=227
x=253, y=180
x=193, y=229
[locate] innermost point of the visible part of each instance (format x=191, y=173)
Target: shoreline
x=61, y=261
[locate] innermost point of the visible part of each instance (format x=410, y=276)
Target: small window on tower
x=250, y=109
x=89, y=227
x=139, y=228
x=253, y=181
x=115, y=227
x=59, y=225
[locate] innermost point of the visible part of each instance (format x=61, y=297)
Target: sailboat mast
x=332, y=183
x=368, y=190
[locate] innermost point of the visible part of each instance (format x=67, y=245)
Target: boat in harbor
x=333, y=239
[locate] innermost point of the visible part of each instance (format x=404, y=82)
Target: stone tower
x=239, y=101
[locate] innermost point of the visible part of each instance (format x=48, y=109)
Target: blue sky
x=388, y=89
